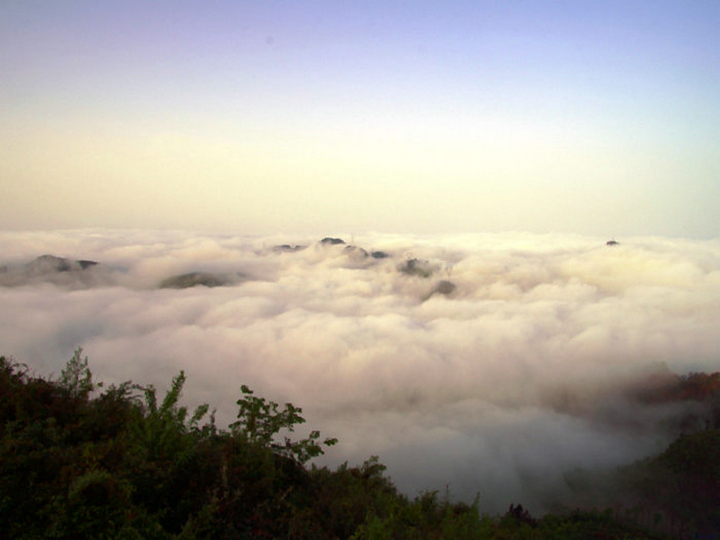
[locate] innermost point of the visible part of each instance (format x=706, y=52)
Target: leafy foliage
x=78, y=460
x=76, y=377
x=260, y=421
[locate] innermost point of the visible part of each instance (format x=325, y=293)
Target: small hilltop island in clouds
x=392, y=217
x=52, y=269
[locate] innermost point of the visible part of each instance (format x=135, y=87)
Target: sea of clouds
x=497, y=386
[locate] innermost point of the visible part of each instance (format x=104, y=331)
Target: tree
x=76, y=377
x=260, y=421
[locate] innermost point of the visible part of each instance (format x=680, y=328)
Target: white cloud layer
x=498, y=386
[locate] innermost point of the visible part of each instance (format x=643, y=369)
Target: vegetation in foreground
x=79, y=460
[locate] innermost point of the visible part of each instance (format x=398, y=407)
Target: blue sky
x=576, y=117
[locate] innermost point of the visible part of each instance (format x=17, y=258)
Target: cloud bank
x=489, y=363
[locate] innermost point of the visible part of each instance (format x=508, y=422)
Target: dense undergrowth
x=79, y=460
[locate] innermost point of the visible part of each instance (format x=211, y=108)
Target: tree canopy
x=83, y=460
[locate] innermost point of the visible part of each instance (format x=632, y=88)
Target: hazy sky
x=586, y=117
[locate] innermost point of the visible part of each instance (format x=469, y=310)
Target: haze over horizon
x=599, y=118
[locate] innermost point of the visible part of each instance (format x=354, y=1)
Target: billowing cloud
x=497, y=384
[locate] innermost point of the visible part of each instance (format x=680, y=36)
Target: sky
x=521, y=373
x=596, y=118
x=500, y=144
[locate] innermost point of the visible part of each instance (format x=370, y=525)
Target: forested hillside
x=83, y=460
